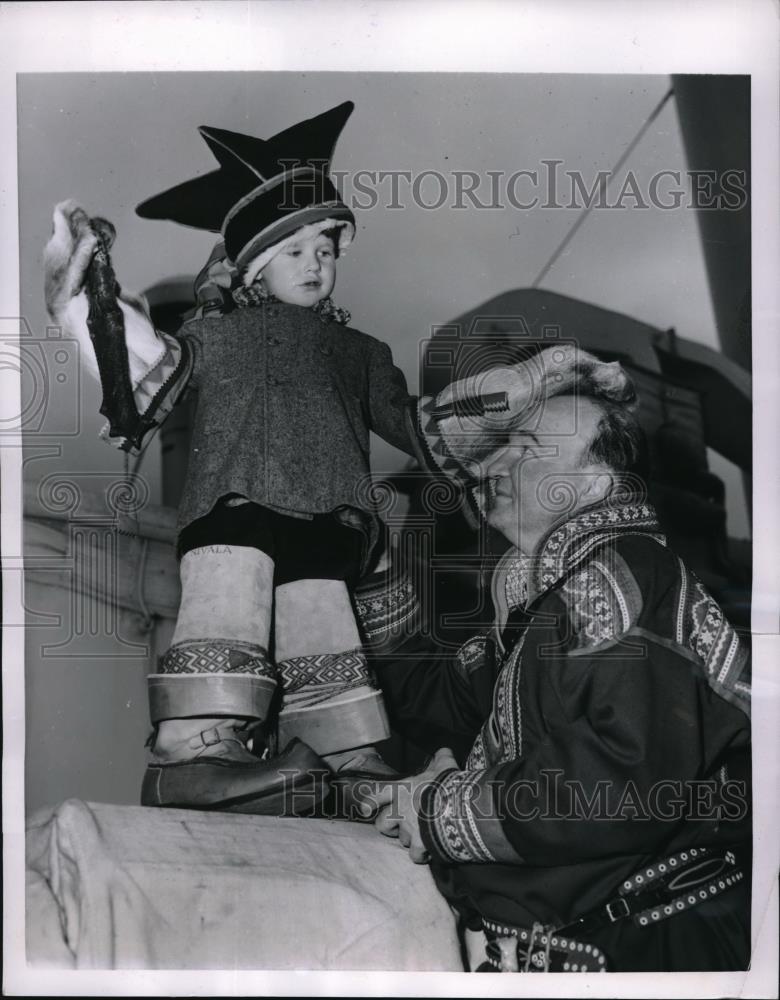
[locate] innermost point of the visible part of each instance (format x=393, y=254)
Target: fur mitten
x=66, y=259
x=555, y=371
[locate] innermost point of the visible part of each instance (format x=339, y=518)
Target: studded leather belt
x=668, y=887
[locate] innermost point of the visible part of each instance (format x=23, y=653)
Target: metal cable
x=603, y=184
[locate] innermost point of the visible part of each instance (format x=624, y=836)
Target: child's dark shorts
x=320, y=548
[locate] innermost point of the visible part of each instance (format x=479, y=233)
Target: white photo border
x=557, y=36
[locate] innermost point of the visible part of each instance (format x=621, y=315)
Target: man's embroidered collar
x=569, y=543
x=519, y=578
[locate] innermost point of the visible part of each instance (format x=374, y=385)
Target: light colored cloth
x=130, y=887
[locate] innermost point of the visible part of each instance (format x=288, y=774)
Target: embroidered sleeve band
x=432, y=442
x=388, y=609
x=433, y=452
x=459, y=820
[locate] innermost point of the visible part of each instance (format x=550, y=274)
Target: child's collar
x=257, y=295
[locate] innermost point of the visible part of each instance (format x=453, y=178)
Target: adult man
x=599, y=732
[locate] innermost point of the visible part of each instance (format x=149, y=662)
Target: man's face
x=541, y=476
x=303, y=272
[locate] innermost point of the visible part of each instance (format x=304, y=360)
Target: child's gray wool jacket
x=285, y=405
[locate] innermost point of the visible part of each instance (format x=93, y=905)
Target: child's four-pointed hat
x=264, y=191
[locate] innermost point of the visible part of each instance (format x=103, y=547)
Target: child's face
x=303, y=272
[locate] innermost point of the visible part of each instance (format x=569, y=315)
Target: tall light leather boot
x=212, y=685
x=329, y=698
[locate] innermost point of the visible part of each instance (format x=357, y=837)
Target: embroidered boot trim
x=217, y=656
x=330, y=702
x=320, y=677
x=212, y=677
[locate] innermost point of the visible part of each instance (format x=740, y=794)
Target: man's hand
x=398, y=803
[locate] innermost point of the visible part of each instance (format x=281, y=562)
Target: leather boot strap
x=217, y=734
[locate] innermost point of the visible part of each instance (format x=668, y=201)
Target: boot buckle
x=208, y=738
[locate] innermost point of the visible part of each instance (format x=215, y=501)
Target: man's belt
x=664, y=889
x=538, y=949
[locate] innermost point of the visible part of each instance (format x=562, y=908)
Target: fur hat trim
x=256, y=264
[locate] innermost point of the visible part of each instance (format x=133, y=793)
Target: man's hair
x=619, y=442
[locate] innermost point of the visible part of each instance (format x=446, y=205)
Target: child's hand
x=470, y=434
x=67, y=256
x=554, y=371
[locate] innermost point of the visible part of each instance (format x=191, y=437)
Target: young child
x=272, y=527
x=272, y=530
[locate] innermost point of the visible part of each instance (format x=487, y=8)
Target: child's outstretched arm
x=157, y=364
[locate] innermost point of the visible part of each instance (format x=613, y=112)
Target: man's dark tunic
x=609, y=730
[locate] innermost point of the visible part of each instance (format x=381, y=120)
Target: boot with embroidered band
x=329, y=699
x=210, y=692
x=203, y=762
x=331, y=703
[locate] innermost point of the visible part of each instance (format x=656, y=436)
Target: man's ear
x=598, y=485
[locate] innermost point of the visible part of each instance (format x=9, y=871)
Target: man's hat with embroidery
x=264, y=191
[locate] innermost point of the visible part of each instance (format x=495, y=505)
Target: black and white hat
x=265, y=191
